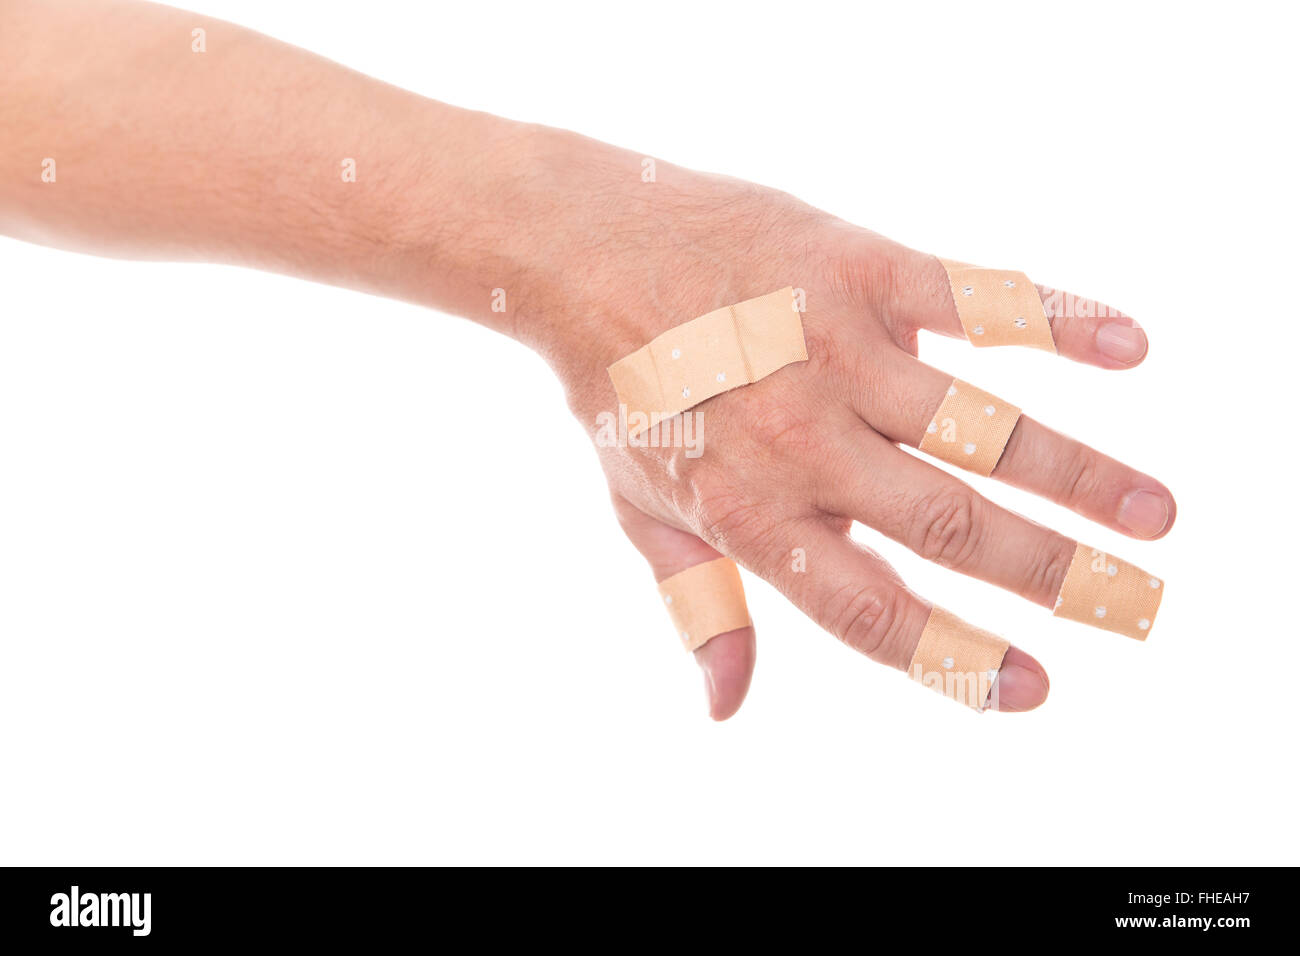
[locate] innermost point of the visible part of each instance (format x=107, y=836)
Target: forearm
x=120, y=139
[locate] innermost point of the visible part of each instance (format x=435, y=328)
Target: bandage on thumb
x=704, y=601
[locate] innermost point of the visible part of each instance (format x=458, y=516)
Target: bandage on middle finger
x=999, y=307
x=970, y=429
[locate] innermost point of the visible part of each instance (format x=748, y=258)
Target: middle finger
x=1036, y=458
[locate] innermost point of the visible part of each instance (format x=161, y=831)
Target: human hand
x=791, y=461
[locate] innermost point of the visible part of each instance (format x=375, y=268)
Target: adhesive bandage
x=721, y=350
x=970, y=428
x=998, y=307
x=705, y=601
x=1101, y=590
x=957, y=659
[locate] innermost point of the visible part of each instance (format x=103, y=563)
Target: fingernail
x=1020, y=688
x=1144, y=513
x=1122, y=343
x=710, y=688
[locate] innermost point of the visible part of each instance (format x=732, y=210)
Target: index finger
x=1083, y=329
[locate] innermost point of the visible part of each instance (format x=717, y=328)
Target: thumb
x=728, y=659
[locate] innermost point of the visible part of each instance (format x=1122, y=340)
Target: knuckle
x=1048, y=570
x=898, y=283
x=861, y=274
x=946, y=527
x=1080, y=477
x=779, y=427
x=723, y=517
x=865, y=618
x=820, y=343
x=928, y=286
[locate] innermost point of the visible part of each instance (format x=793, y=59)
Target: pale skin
x=234, y=154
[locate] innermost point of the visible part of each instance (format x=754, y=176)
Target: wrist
x=455, y=242
x=584, y=252
x=503, y=224
x=526, y=229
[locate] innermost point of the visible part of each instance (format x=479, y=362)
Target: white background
x=273, y=590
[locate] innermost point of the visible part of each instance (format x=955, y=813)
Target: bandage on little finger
x=705, y=601
x=714, y=353
x=1106, y=592
x=957, y=659
x=970, y=429
x=999, y=307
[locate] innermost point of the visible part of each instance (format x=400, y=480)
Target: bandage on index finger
x=999, y=307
